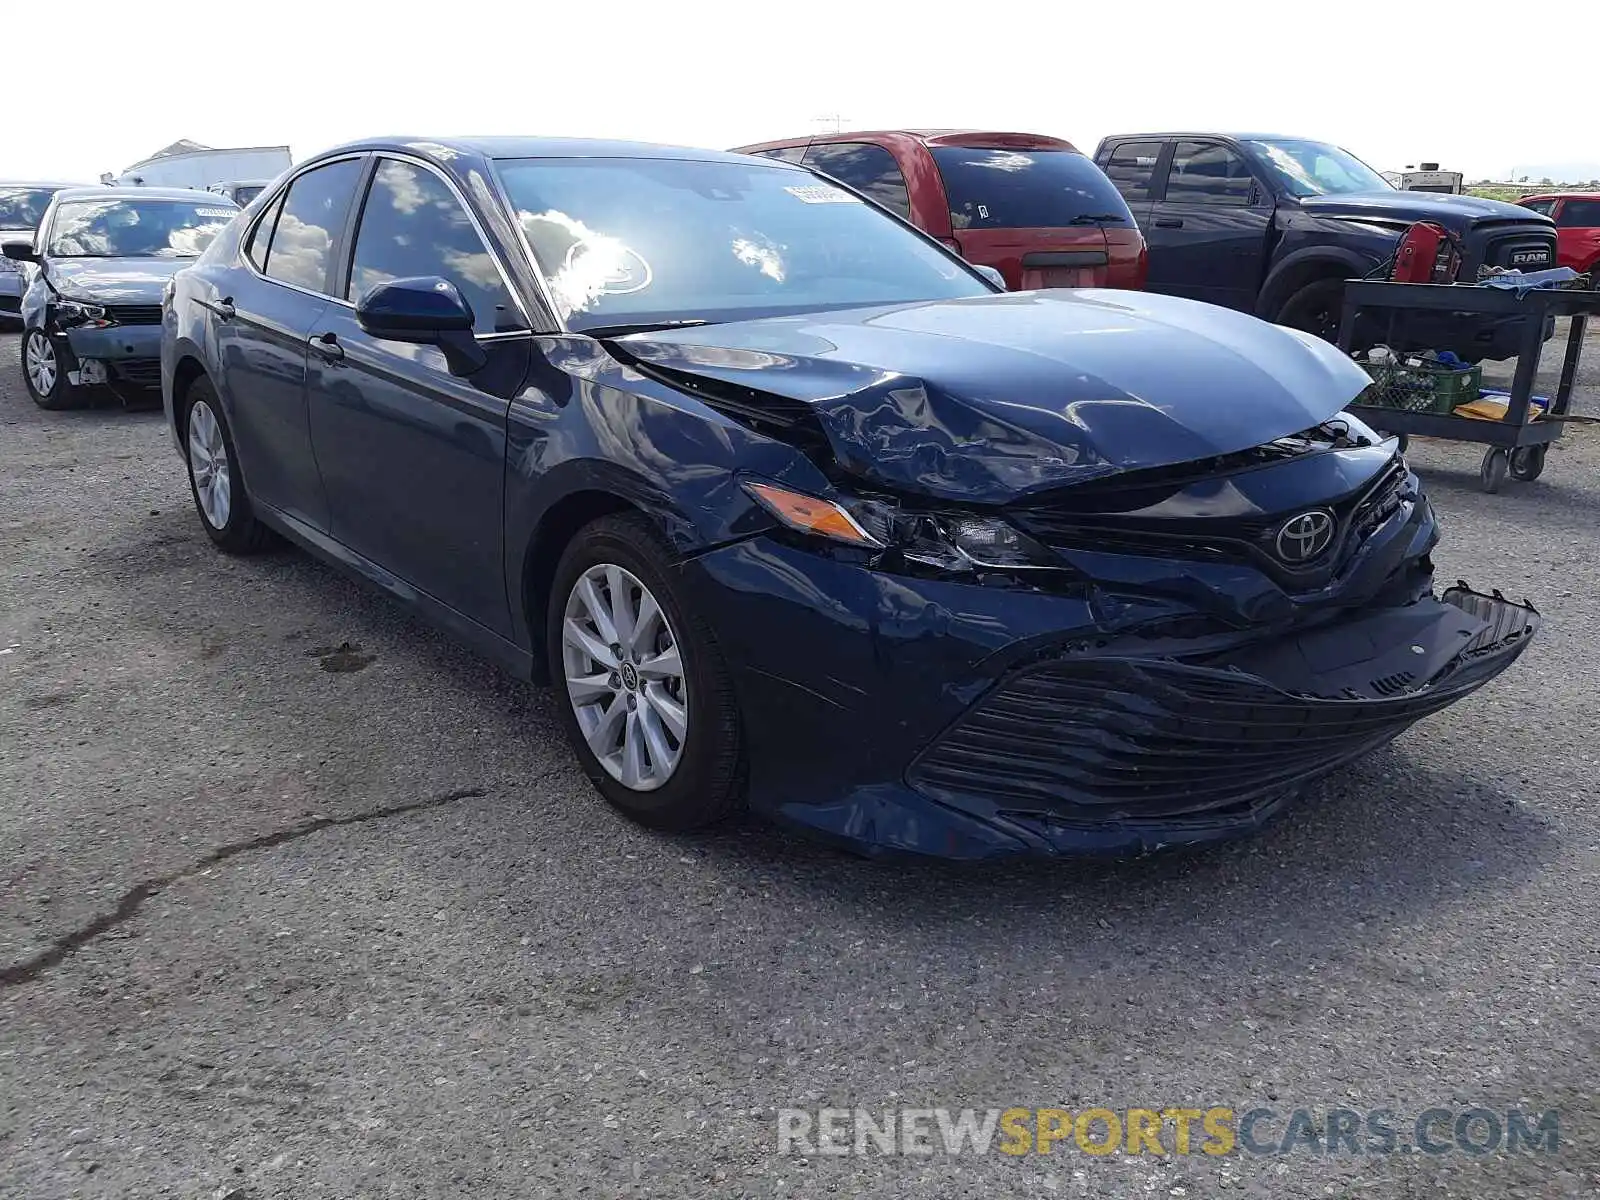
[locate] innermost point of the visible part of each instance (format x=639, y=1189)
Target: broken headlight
x=76, y=312
x=950, y=541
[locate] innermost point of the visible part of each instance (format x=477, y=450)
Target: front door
x=413, y=457
x=1208, y=230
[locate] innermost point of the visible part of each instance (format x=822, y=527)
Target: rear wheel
x=219, y=494
x=45, y=375
x=643, y=691
x=1316, y=308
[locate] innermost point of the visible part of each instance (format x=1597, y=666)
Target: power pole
x=837, y=120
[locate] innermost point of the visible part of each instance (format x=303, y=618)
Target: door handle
x=328, y=346
x=1169, y=222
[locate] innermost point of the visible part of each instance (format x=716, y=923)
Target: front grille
x=10, y=304
x=1232, y=540
x=134, y=314
x=140, y=372
x=1501, y=244
x=1119, y=739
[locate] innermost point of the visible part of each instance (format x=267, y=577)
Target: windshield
x=1316, y=168
x=1026, y=189
x=137, y=228
x=636, y=240
x=23, y=208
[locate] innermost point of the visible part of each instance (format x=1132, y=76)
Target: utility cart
x=1517, y=442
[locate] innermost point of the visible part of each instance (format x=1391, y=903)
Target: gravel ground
x=298, y=898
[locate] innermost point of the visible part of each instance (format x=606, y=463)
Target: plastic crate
x=1428, y=387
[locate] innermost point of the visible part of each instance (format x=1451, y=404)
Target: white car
x=240, y=191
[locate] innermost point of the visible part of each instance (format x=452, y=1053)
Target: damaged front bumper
x=129, y=354
x=1106, y=752
x=898, y=715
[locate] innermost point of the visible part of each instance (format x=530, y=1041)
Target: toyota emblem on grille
x=1301, y=538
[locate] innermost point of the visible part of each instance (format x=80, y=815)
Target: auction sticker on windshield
x=821, y=193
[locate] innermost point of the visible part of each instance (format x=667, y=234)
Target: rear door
x=261, y=339
x=1131, y=167
x=1208, y=227
x=1041, y=217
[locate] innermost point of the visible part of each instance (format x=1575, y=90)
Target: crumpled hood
x=1456, y=212
x=114, y=280
x=988, y=399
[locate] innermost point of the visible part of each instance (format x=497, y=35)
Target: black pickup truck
x=1275, y=225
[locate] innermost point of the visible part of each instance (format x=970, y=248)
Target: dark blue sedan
x=91, y=311
x=799, y=513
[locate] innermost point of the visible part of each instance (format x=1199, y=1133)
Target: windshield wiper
x=1096, y=218
x=612, y=331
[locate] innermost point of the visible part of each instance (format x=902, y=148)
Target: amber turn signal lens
x=809, y=514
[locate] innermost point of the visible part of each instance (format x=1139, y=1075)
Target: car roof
x=41, y=184
x=1589, y=195
x=136, y=193
x=987, y=139
x=446, y=151
x=1232, y=135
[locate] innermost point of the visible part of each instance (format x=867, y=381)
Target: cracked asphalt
x=299, y=898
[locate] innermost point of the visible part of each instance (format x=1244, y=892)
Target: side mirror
x=20, y=251
x=989, y=273
x=425, y=310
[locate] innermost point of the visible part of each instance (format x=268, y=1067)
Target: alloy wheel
x=208, y=465
x=40, y=360
x=625, y=677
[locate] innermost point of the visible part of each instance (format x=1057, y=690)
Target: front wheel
x=642, y=689
x=46, y=378
x=1316, y=308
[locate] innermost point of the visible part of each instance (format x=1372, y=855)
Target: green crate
x=1429, y=387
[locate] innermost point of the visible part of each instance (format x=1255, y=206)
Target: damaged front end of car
x=1091, y=640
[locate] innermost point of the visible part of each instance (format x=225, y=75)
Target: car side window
x=790, y=154
x=1542, y=207
x=261, y=237
x=870, y=169
x=412, y=224
x=1579, y=214
x=1208, y=174
x=1132, y=167
x=310, y=219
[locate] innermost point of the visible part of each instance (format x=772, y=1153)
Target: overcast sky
x=1397, y=82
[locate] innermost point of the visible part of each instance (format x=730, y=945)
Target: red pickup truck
x=1577, y=218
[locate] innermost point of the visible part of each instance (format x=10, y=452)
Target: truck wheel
x=1316, y=308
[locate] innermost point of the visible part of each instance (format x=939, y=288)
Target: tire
x=1492, y=473
x=1316, y=308
x=1527, y=464
x=668, y=780
x=45, y=374
x=219, y=495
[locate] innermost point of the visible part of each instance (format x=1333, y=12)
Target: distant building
x=187, y=163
